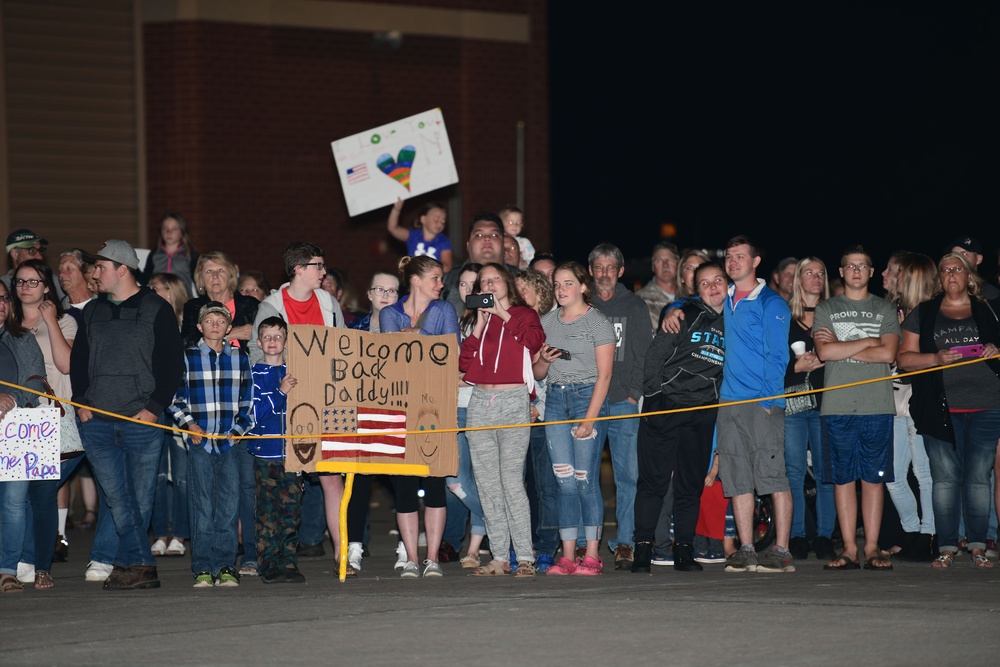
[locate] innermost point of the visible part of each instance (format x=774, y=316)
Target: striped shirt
x=216, y=394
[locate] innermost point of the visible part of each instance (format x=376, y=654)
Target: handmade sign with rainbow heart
x=400, y=168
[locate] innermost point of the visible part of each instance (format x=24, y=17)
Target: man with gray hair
x=630, y=319
x=661, y=291
x=72, y=280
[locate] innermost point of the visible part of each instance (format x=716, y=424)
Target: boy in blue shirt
x=279, y=494
x=214, y=398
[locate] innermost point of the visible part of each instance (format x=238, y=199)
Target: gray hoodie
x=630, y=319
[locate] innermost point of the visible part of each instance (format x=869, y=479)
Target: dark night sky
x=809, y=127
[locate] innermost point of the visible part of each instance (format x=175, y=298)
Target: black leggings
x=406, y=493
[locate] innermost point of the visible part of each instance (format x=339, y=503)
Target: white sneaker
x=410, y=570
x=432, y=569
x=176, y=547
x=98, y=571
x=401, y=558
x=354, y=555
x=159, y=548
x=26, y=573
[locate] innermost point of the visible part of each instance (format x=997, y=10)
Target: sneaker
x=992, y=551
x=26, y=573
x=159, y=548
x=590, y=567
x=799, y=547
x=432, y=569
x=98, y=571
x=249, y=569
x=543, y=562
x=624, y=557
x=710, y=557
x=274, y=575
x=203, y=580
x=228, y=578
x=401, y=559
x=660, y=559
x=176, y=547
x=137, y=577
x=776, y=559
x=293, y=576
x=354, y=554
x=410, y=570
x=564, y=567
x=744, y=560
x=61, y=554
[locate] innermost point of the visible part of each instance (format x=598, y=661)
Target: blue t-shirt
x=416, y=245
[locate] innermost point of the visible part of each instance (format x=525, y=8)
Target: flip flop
x=842, y=562
x=10, y=584
x=878, y=562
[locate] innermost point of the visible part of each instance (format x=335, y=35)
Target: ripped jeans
x=576, y=463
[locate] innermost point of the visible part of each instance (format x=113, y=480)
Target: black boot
x=643, y=557
x=684, y=559
x=918, y=550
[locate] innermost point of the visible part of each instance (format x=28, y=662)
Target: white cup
x=799, y=348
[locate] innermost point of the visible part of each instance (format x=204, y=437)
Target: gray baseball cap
x=119, y=251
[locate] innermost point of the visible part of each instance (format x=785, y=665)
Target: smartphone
x=969, y=351
x=563, y=354
x=475, y=301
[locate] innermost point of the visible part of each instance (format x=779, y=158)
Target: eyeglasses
x=33, y=251
x=319, y=265
x=857, y=267
x=383, y=291
x=952, y=269
x=5, y=298
x=31, y=282
x=486, y=235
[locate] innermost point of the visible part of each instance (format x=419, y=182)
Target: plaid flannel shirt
x=217, y=394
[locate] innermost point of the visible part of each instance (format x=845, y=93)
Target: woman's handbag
x=70, y=443
x=797, y=404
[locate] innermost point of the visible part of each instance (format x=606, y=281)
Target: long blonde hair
x=917, y=279
x=798, y=304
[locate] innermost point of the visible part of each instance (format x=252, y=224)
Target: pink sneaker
x=563, y=567
x=590, y=567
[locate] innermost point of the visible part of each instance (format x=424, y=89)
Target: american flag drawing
x=391, y=441
x=357, y=174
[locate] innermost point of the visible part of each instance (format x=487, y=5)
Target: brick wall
x=239, y=121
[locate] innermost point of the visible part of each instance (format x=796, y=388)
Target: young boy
x=279, y=494
x=215, y=398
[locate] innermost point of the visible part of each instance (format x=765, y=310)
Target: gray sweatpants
x=498, y=464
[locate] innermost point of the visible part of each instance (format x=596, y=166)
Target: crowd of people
x=696, y=366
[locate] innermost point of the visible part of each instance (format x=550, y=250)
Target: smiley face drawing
x=304, y=420
x=427, y=421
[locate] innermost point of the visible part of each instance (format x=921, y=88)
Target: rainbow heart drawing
x=400, y=168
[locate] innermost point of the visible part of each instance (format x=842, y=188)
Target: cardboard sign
x=358, y=393
x=29, y=444
x=402, y=159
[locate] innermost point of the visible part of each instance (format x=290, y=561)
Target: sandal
x=878, y=562
x=980, y=560
x=525, y=570
x=470, y=562
x=351, y=572
x=43, y=580
x=842, y=562
x=943, y=561
x=87, y=524
x=10, y=584
x=494, y=568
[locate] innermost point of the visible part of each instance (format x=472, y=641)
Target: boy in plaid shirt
x=215, y=397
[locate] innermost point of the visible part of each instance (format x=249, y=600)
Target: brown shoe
x=133, y=578
x=624, y=557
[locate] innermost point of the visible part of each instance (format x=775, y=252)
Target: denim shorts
x=858, y=447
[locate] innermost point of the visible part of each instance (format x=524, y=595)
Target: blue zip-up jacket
x=756, y=346
x=268, y=411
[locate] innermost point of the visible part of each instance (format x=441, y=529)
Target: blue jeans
x=907, y=448
x=170, y=507
x=576, y=463
x=804, y=432
x=42, y=559
x=214, y=499
x=248, y=502
x=125, y=457
x=962, y=472
x=29, y=516
x=622, y=437
x=313, y=528
x=547, y=492
x=463, y=501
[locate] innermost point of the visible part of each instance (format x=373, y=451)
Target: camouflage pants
x=279, y=512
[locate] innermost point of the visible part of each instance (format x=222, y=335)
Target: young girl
x=576, y=363
x=513, y=224
x=427, y=236
x=174, y=253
